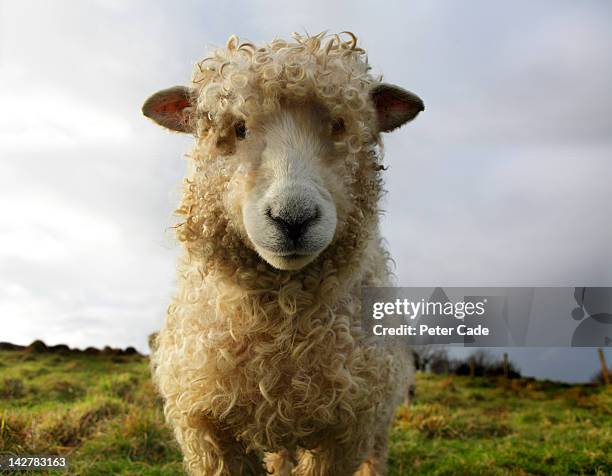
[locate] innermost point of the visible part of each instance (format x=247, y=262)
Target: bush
x=484, y=365
x=436, y=361
x=430, y=359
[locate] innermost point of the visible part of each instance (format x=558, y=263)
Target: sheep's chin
x=287, y=263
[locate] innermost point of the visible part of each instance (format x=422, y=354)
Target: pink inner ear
x=395, y=105
x=389, y=105
x=172, y=106
x=392, y=105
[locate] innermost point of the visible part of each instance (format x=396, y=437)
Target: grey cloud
x=502, y=180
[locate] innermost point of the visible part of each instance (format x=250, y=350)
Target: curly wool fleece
x=270, y=360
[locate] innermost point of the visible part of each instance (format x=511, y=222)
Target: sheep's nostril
x=294, y=226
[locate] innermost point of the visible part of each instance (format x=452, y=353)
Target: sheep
x=262, y=362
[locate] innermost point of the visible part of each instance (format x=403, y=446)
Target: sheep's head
x=296, y=125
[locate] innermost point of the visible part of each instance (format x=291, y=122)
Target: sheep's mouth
x=290, y=261
x=292, y=255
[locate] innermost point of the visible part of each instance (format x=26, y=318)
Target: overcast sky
x=504, y=180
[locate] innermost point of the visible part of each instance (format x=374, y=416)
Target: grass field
x=102, y=411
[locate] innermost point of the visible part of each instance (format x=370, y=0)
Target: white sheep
x=262, y=352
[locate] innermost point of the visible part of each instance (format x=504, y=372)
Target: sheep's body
x=280, y=383
x=253, y=359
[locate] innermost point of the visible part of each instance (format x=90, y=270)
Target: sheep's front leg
x=376, y=463
x=209, y=451
x=330, y=460
x=280, y=463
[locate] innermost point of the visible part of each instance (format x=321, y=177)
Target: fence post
x=472, y=367
x=506, y=366
x=604, y=367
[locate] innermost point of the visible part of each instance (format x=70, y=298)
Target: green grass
x=459, y=425
x=102, y=411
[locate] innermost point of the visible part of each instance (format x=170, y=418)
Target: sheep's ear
x=394, y=106
x=170, y=108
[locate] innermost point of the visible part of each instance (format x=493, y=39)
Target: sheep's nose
x=293, y=223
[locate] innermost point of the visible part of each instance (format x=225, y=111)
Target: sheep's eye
x=337, y=126
x=241, y=130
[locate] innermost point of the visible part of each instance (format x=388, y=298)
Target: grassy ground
x=103, y=412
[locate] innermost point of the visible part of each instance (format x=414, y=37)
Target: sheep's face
x=294, y=146
x=289, y=192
